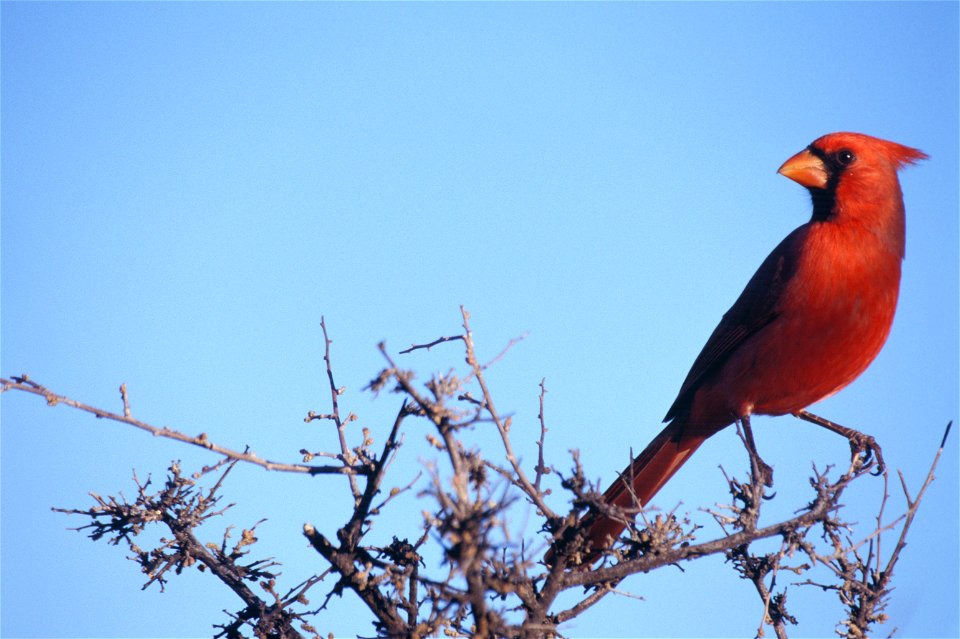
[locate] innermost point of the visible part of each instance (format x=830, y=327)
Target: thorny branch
x=181, y=505
x=25, y=384
x=468, y=570
x=346, y=455
x=863, y=582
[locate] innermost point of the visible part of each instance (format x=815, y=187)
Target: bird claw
x=866, y=448
x=766, y=472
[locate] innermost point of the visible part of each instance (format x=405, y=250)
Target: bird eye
x=845, y=157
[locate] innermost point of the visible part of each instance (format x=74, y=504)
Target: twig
x=29, y=386
x=542, y=468
x=126, y=400
x=440, y=340
x=766, y=593
x=913, y=505
x=528, y=488
x=510, y=344
x=883, y=504
x=436, y=414
x=348, y=457
x=352, y=531
x=587, y=602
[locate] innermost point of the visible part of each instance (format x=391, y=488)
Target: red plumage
x=810, y=320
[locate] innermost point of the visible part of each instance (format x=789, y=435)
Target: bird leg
x=765, y=470
x=860, y=443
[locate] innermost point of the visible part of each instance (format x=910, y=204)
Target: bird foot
x=765, y=471
x=864, y=448
x=760, y=469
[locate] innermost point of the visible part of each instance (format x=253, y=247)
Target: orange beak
x=807, y=169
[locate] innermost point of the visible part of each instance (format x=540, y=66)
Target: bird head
x=826, y=159
x=854, y=176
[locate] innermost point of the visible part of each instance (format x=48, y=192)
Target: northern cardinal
x=810, y=320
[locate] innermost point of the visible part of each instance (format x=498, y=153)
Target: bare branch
x=502, y=426
x=487, y=584
x=440, y=340
x=348, y=458
x=542, y=468
x=24, y=384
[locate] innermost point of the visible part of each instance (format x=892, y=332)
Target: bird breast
x=832, y=321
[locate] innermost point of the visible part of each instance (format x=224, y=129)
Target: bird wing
x=757, y=306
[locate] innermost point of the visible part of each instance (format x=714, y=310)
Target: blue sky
x=187, y=189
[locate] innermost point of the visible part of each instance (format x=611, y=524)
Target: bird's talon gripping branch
x=861, y=445
x=869, y=450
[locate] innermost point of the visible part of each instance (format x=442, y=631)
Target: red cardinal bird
x=810, y=320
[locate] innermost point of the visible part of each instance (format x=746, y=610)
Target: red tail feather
x=643, y=479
